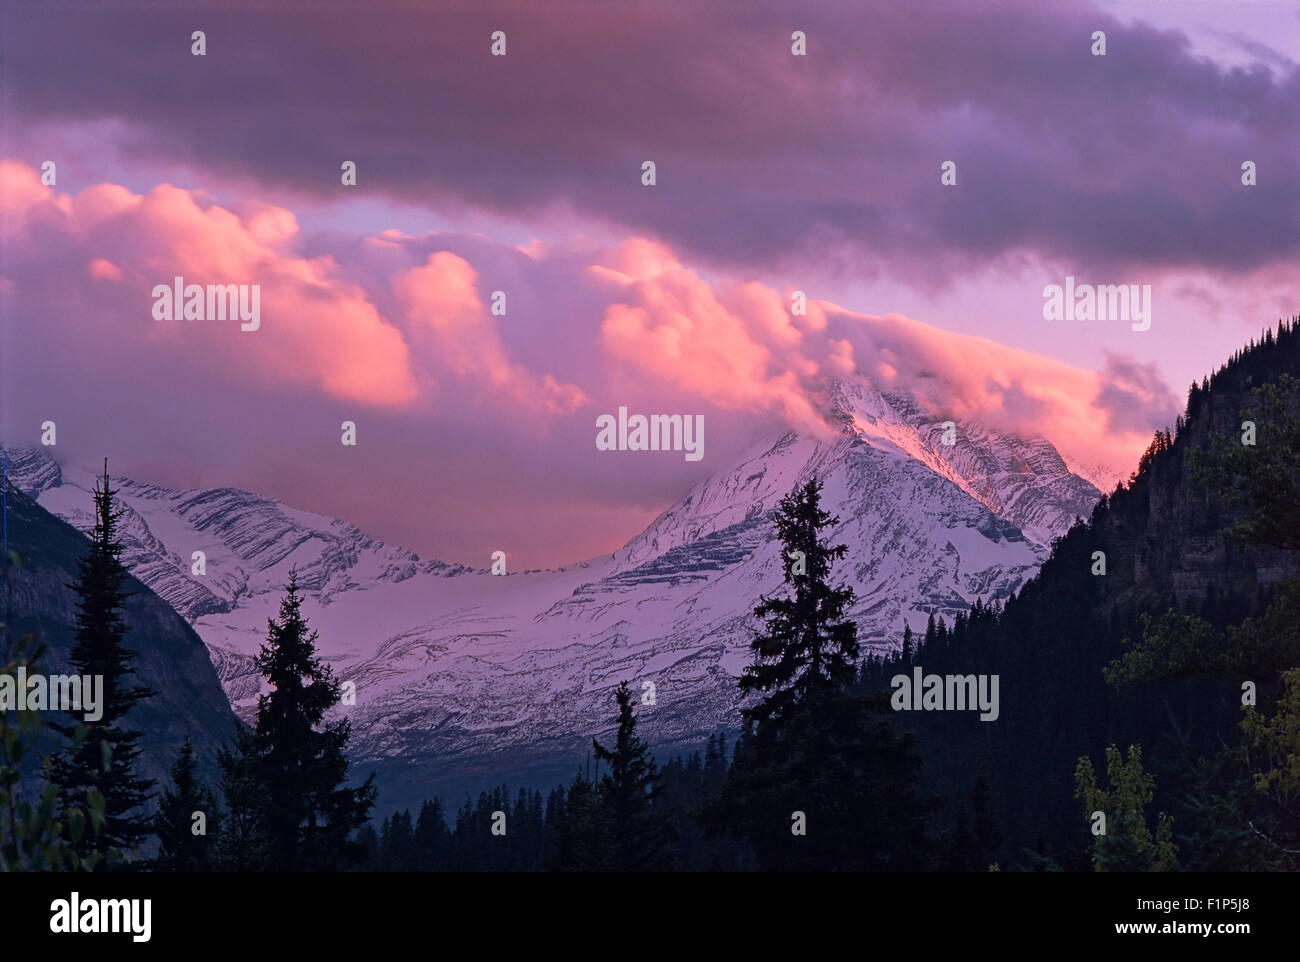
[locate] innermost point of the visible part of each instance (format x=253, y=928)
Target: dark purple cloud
x=1135, y=396
x=764, y=159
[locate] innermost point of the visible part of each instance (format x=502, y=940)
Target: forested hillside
x=1207, y=528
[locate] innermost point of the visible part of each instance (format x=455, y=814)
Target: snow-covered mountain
x=464, y=677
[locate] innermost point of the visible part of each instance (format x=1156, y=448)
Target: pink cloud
x=738, y=346
x=974, y=378
x=732, y=345
x=395, y=331
x=103, y=270
x=442, y=300
x=316, y=330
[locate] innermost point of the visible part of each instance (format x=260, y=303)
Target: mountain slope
x=463, y=676
x=171, y=658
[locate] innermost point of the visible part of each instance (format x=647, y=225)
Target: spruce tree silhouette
x=643, y=833
x=294, y=760
x=101, y=755
x=816, y=759
x=808, y=648
x=180, y=849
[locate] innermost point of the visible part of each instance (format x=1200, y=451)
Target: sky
x=522, y=173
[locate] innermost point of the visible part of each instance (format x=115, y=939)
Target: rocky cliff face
x=1165, y=534
x=170, y=656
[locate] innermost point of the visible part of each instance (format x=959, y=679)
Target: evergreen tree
x=814, y=755
x=909, y=646
x=309, y=814
x=961, y=846
x=244, y=845
x=104, y=760
x=180, y=848
x=584, y=832
x=44, y=836
x=312, y=814
x=536, y=853
x=975, y=838
x=399, y=843
x=1222, y=823
x=553, y=824
x=984, y=825
x=431, y=837
x=807, y=647
x=1260, y=479
x=368, y=840
x=643, y=834
x=712, y=757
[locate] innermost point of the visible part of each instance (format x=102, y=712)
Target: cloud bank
x=765, y=159
x=475, y=430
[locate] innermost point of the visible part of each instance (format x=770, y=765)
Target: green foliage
x=1173, y=645
x=1176, y=645
x=1261, y=480
x=1272, y=748
x=47, y=836
x=1224, y=826
x=1059, y=640
x=1217, y=812
x=1276, y=741
x=1129, y=844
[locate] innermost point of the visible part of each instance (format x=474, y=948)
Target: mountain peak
x=495, y=667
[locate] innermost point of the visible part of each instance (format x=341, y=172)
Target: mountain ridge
x=456, y=667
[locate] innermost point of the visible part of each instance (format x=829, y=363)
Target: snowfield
x=465, y=677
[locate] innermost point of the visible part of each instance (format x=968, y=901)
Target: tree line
x=817, y=772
